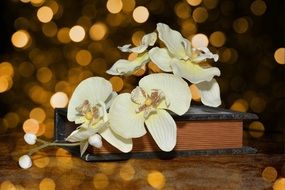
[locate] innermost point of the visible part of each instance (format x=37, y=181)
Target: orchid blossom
x=87, y=107
x=126, y=67
x=147, y=104
x=183, y=60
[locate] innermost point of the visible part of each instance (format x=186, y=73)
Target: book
x=202, y=130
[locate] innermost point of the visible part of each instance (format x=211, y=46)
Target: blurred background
x=48, y=46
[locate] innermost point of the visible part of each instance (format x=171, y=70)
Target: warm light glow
x=269, y=174
x=40, y=159
x=6, y=68
x=156, y=179
x=12, y=119
x=200, y=15
x=196, y=96
x=217, y=39
x=132, y=56
x=6, y=83
x=7, y=185
x=44, y=75
x=129, y=5
x=182, y=10
x=194, y=2
x=136, y=37
x=98, y=31
x=25, y=1
x=49, y=129
x=279, y=55
x=42, y=129
x=139, y=72
x=100, y=181
x=200, y=40
x=63, y=35
x=127, y=172
x=31, y=126
x=77, y=33
x=240, y=25
x=45, y=14
x=256, y=126
x=279, y=184
x=38, y=114
x=140, y=14
x=188, y=27
x=20, y=39
x=258, y=7
x=240, y=105
x=83, y=57
x=49, y=29
x=257, y=104
x=153, y=67
x=59, y=100
x=114, y=6
x=117, y=83
x=210, y=4
x=47, y=184
x=37, y=3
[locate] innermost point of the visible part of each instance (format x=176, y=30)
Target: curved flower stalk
x=147, y=104
x=87, y=107
x=126, y=67
x=183, y=60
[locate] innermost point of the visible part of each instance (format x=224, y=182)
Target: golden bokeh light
x=136, y=37
x=127, y=172
x=114, y=6
x=64, y=159
x=240, y=25
x=139, y=72
x=12, y=119
x=240, y=105
x=6, y=83
x=7, y=185
x=196, y=95
x=194, y=2
x=49, y=29
x=188, y=27
x=257, y=104
x=140, y=14
x=98, y=31
x=116, y=20
x=153, y=67
x=269, y=174
x=6, y=68
x=25, y=1
x=279, y=55
x=117, y=83
x=47, y=184
x=54, y=6
x=128, y=5
x=59, y=100
x=37, y=3
x=132, y=56
x=258, y=7
x=107, y=168
x=31, y=126
x=100, y=181
x=182, y=10
x=210, y=4
x=279, y=184
x=200, y=15
x=156, y=179
x=83, y=57
x=20, y=39
x=45, y=14
x=49, y=128
x=77, y=33
x=44, y=74
x=40, y=159
x=217, y=39
x=42, y=129
x=256, y=129
x=38, y=114
x=199, y=40
x=63, y=35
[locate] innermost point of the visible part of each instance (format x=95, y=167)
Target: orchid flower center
x=147, y=102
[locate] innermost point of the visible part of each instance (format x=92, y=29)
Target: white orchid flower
x=147, y=104
x=126, y=67
x=183, y=60
x=87, y=107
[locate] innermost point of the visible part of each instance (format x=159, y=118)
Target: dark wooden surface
x=55, y=166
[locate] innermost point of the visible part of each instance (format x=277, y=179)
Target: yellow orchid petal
x=81, y=134
x=123, y=117
x=83, y=147
x=210, y=93
x=163, y=129
x=161, y=58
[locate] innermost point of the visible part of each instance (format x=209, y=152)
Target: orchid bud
x=95, y=140
x=30, y=138
x=25, y=161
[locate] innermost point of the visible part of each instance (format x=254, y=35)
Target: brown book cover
x=202, y=130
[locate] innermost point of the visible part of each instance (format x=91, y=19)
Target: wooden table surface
x=55, y=168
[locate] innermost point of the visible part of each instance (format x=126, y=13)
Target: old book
x=202, y=130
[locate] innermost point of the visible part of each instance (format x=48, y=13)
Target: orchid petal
x=175, y=89
x=210, y=93
x=126, y=67
x=173, y=40
x=125, y=48
x=206, y=54
x=161, y=58
x=83, y=147
x=163, y=129
x=138, y=95
x=124, y=145
x=81, y=134
x=110, y=99
x=93, y=89
x=194, y=72
x=123, y=117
